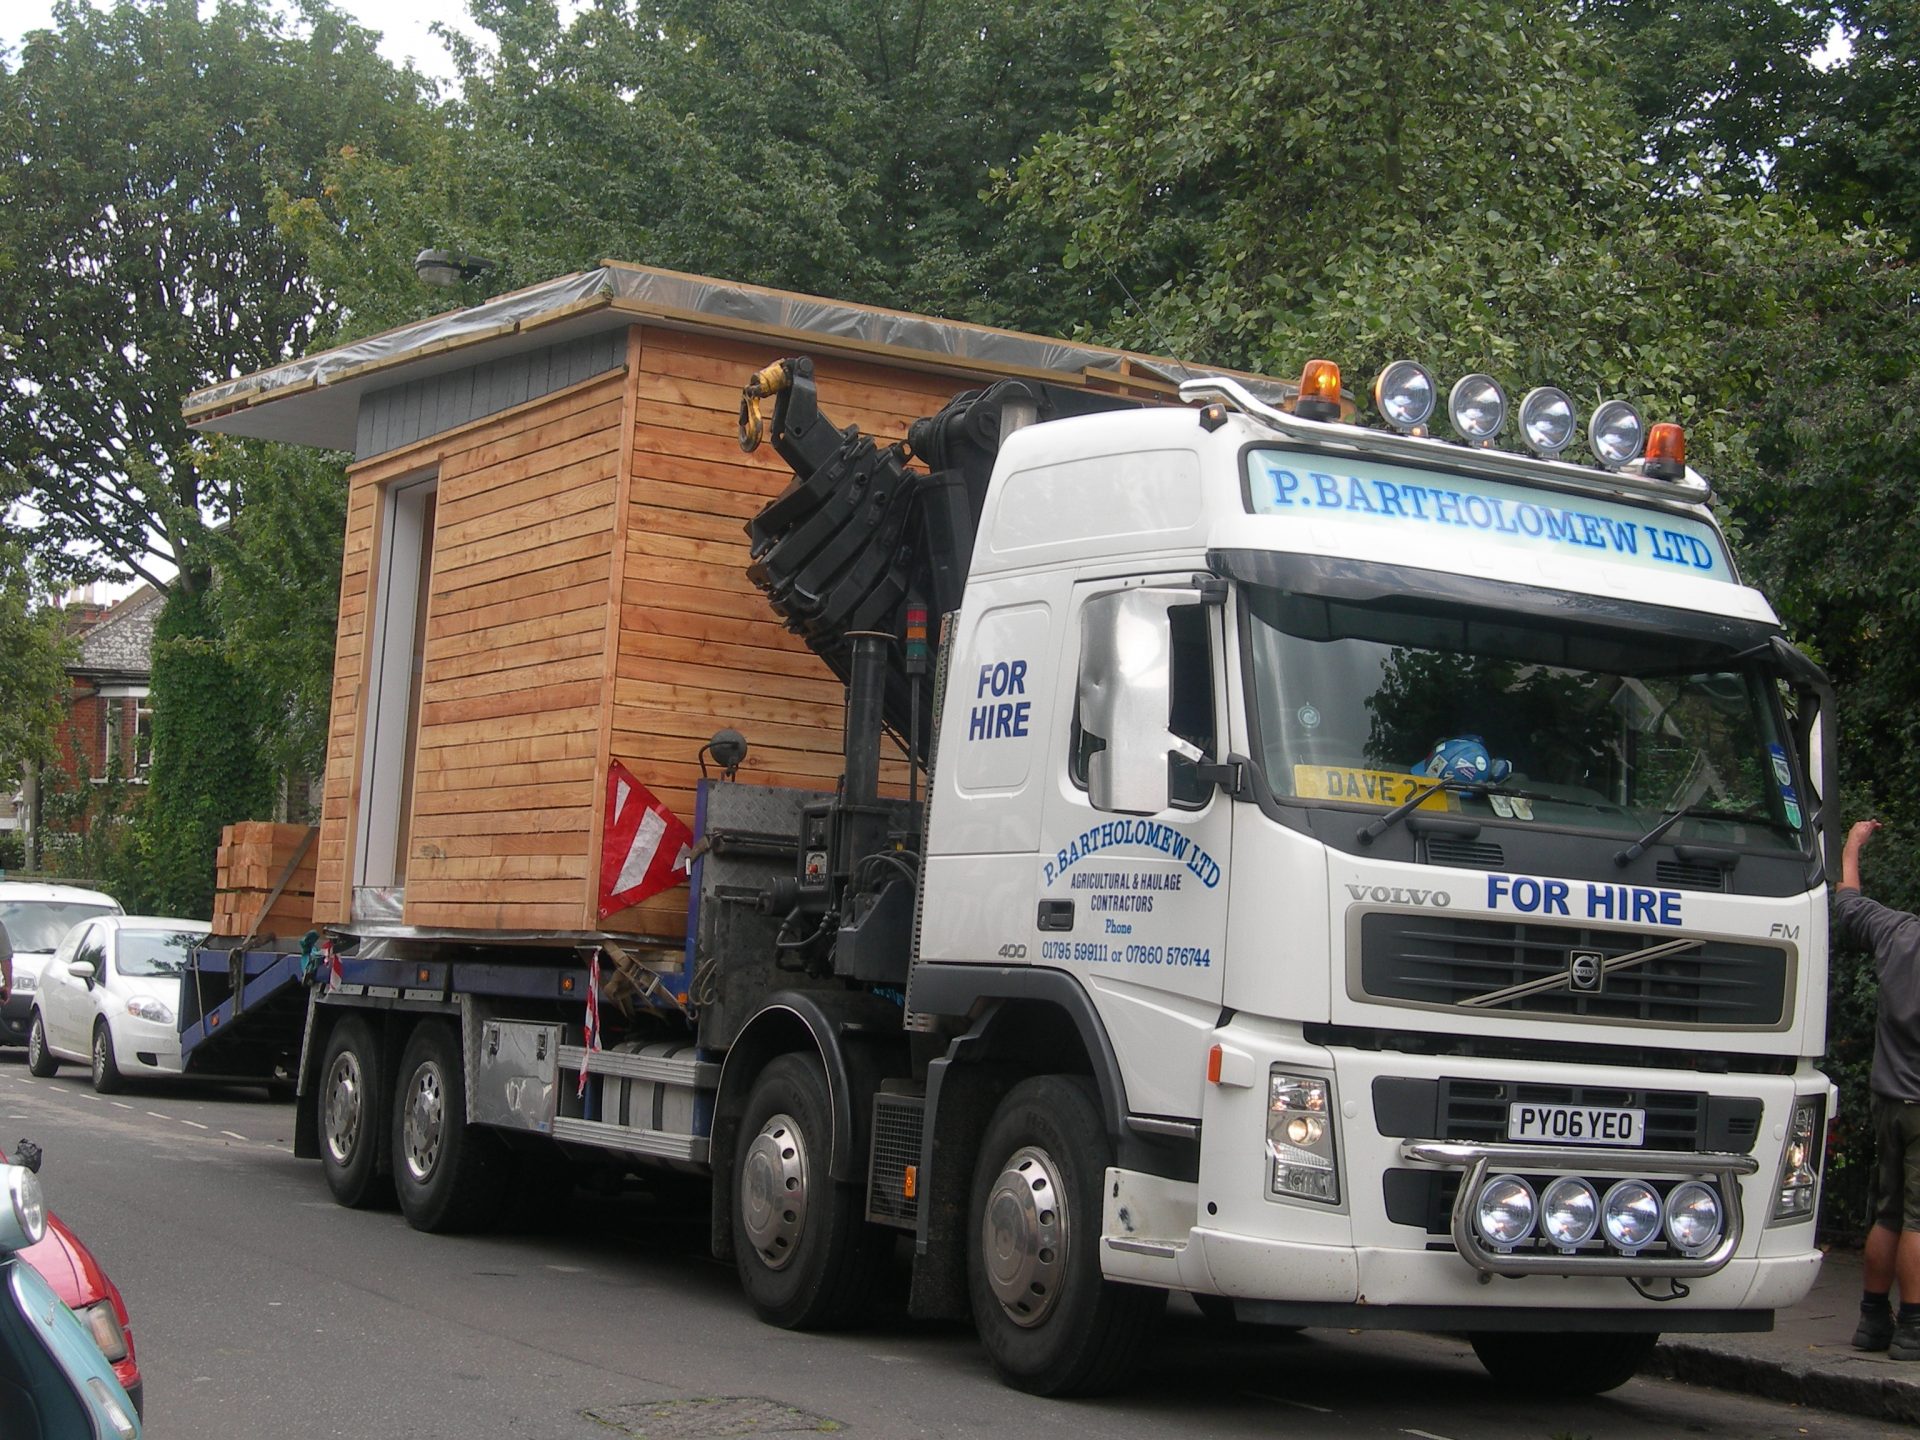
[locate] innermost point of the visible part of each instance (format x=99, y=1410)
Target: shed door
x=392, y=712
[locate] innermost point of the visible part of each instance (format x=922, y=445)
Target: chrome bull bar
x=1477, y=1161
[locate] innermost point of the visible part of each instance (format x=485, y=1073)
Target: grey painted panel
x=403, y=414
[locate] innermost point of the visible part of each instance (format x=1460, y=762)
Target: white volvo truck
x=1361, y=880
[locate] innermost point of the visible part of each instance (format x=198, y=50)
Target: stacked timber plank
x=263, y=881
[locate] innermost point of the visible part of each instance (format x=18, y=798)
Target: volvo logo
x=1585, y=970
x=1400, y=895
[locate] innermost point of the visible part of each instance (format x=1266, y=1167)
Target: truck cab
x=1421, y=844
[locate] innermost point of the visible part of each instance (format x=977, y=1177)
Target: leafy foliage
x=840, y=148
x=206, y=769
x=33, y=686
x=278, y=592
x=139, y=147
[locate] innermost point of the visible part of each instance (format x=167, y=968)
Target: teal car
x=54, y=1382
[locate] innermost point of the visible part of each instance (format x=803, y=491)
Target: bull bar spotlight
x=1630, y=1214
x=1505, y=1211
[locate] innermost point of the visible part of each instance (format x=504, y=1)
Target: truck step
x=657, y=1144
x=660, y=1070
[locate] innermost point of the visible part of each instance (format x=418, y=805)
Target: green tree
x=33, y=682
x=840, y=147
x=278, y=594
x=140, y=148
x=206, y=771
x=1728, y=87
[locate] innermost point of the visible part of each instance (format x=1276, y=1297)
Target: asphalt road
x=262, y=1310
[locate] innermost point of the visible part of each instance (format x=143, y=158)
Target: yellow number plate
x=1364, y=787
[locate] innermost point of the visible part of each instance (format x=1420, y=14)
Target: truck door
x=1132, y=901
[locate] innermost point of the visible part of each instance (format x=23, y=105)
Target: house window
x=129, y=736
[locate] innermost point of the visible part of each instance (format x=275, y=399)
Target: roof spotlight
x=1404, y=394
x=1546, y=420
x=1615, y=433
x=1478, y=408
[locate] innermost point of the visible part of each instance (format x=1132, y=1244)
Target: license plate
x=1576, y=1124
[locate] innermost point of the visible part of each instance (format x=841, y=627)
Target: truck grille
x=1438, y=960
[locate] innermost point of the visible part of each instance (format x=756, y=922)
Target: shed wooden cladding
x=589, y=602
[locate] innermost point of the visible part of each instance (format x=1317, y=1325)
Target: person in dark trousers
x=1893, y=1244
x=6, y=966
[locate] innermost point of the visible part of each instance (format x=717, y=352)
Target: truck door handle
x=1056, y=915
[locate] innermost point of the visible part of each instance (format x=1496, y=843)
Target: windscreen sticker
x=1783, y=782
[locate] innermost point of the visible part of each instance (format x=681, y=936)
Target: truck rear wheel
x=446, y=1172
x=807, y=1258
x=350, y=1101
x=1051, y=1324
x=1562, y=1364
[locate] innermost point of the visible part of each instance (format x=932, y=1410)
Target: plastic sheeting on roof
x=695, y=298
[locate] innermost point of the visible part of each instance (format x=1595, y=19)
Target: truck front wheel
x=447, y=1172
x=1562, y=1364
x=1051, y=1324
x=807, y=1258
x=350, y=1101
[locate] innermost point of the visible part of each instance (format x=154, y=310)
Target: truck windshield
x=1585, y=729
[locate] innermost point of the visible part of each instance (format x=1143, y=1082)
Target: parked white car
x=38, y=918
x=110, y=998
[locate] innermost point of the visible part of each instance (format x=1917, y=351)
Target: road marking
x=1284, y=1400
x=195, y=1123
x=158, y=1116
x=118, y=1106
x=231, y=1136
x=1425, y=1434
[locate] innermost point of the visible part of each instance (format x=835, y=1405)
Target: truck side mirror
x=1126, y=690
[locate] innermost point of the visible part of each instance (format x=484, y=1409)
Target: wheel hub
x=773, y=1184
x=346, y=1098
x=425, y=1122
x=1024, y=1236
x=99, y=1053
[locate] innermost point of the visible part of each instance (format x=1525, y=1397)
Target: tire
x=350, y=1107
x=106, y=1070
x=1051, y=1324
x=40, y=1061
x=1553, y=1365
x=806, y=1256
x=447, y=1173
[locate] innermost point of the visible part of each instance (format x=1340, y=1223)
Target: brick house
x=107, y=713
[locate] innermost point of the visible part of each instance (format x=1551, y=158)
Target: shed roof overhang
x=315, y=400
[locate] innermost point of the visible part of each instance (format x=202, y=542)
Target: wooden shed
x=545, y=572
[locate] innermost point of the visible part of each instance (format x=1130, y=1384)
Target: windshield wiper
x=1369, y=833
x=1633, y=852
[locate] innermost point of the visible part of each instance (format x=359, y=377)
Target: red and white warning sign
x=646, y=848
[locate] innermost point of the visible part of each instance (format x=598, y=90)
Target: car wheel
x=448, y=1173
x=1051, y=1323
x=40, y=1060
x=106, y=1070
x=1541, y=1362
x=350, y=1107
x=807, y=1258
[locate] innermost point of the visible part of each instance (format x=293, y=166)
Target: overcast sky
x=401, y=23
